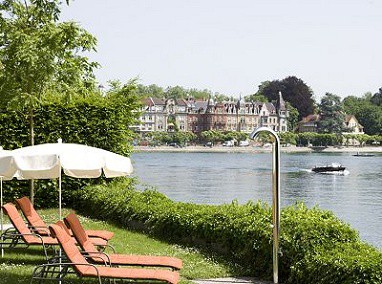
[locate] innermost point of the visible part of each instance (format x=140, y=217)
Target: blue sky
x=231, y=47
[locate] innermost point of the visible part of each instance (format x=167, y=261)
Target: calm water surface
x=216, y=178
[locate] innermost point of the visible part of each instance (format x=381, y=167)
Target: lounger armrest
x=97, y=254
x=104, y=246
x=9, y=231
x=26, y=234
x=9, y=234
x=17, y=234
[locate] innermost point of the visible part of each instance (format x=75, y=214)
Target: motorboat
x=334, y=167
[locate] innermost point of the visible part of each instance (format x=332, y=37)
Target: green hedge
x=349, y=263
x=315, y=246
x=94, y=124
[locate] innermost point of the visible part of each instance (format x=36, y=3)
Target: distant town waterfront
x=220, y=177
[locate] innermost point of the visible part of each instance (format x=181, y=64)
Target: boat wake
x=335, y=173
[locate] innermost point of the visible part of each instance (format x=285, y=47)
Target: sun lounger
x=77, y=262
x=21, y=234
x=41, y=228
x=99, y=243
x=85, y=243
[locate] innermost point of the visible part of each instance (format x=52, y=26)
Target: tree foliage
x=318, y=139
x=376, y=99
x=123, y=98
x=293, y=115
x=212, y=136
x=179, y=137
x=256, y=98
x=288, y=138
x=332, y=115
x=367, y=110
x=40, y=54
x=178, y=92
x=294, y=91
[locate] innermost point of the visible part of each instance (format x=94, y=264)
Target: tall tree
x=41, y=55
x=376, y=99
x=294, y=91
x=332, y=116
x=292, y=117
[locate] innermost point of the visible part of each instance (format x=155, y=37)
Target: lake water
x=216, y=178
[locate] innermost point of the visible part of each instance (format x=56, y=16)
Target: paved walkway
x=239, y=280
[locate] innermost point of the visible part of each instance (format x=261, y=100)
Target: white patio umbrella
x=46, y=161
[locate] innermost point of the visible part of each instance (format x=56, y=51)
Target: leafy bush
x=315, y=246
x=342, y=263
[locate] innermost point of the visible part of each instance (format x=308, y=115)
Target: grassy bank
x=17, y=264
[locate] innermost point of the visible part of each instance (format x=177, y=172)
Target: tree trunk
x=31, y=131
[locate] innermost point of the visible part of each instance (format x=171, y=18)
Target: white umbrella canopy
x=45, y=161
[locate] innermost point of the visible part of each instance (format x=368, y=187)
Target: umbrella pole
x=60, y=212
x=59, y=196
x=2, y=249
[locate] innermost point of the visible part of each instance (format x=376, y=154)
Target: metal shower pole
x=275, y=195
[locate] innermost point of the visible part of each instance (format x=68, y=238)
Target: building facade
x=353, y=126
x=202, y=115
x=310, y=124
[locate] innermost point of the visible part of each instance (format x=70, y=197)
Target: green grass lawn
x=17, y=264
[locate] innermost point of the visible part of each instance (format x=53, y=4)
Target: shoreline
x=257, y=149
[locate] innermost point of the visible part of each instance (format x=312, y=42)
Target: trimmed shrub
x=315, y=246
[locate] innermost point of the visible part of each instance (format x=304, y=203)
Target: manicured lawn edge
x=315, y=246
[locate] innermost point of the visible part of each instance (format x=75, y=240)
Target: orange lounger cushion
x=106, y=235
x=36, y=221
x=18, y=223
x=134, y=273
x=84, y=268
x=117, y=259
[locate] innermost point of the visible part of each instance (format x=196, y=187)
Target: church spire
x=280, y=103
